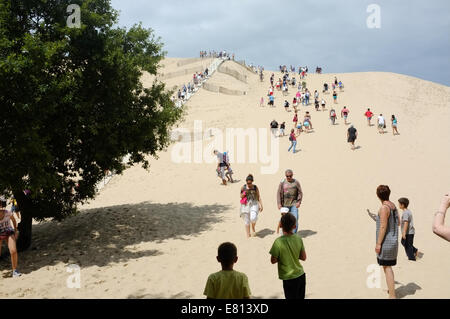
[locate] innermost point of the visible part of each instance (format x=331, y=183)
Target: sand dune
x=155, y=234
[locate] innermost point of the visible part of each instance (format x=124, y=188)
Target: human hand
x=445, y=203
x=260, y=208
x=378, y=249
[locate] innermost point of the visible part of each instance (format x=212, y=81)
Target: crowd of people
x=223, y=54
x=288, y=249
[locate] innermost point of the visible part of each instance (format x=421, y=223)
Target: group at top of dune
x=288, y=249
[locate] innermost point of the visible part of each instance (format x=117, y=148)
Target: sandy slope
x=155, y=234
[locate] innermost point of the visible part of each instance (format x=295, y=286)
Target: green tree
x=72, y=104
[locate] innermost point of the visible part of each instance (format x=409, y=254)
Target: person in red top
x=293, y=140
x=295, y=120
x=369, y=115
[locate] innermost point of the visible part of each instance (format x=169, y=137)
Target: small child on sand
x=286, y=251
x=228, y=283
x=407, y=229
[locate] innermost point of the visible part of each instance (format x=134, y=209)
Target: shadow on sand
x=265, y=232
x=306, y=233
x=107, y=235
x=408, y=290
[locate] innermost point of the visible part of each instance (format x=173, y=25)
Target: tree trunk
x=25, y=225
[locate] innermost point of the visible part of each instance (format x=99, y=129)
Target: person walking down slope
x=293, y=140
x=290, y=195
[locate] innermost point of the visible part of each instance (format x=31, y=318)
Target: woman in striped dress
x=386, y=247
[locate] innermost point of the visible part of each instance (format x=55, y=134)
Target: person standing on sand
x=335, y=97
x=282, y=128
x=274, y=127
x=286, y=251
x=386, y=248
x=381, y=124
x=295, y=119
x=369, y=116
x=290, y=195
x=323, y=104
x=439, y=227
x=333, y=116
x=252, y=206
x=293, y=141
x=344, y=114
x=394, y=125
x=352, y=134
x=9, y=234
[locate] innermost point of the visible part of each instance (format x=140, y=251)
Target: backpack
x=290, y=138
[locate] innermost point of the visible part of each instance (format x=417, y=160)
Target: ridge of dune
x=170, y=220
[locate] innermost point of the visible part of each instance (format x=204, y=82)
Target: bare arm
x=14, y=222
x=300, y=193
x=242, y=192
x=405, y=229
x=302, y=255
x=439, y=227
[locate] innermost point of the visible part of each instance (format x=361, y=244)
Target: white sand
x=155, y=234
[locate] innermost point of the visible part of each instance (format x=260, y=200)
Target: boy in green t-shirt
x=228, y=283
x=286, y=251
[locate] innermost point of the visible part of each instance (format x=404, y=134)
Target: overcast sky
x=413, y=38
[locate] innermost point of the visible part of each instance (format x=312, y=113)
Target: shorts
x=306, y=124
x=351, y=139
x=252, y=215
x=345, y=116
x=6, y=234
x=281, y=131
x=387, y=262
x=221, y=172
x=394, y=125
x=369, y=118
x=380, y=125
x=335, y=97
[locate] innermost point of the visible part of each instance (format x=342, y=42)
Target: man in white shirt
x=381, y=124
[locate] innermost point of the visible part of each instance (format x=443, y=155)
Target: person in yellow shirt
x=227, y=283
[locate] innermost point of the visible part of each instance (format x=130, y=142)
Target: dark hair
x=393, y=116
x=383, y=192
x=2, y=204
x=249, y=178
x=288, y=222
x=226, y=253
x=404, y=201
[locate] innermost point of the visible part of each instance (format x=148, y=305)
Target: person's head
x=292, y=131
x=381, y=114
x=289, y=175
x=249, y=179
x=227, y=255
x=403, y=203
x=215, y=152
x=288, y=222
x=393, y=116
x=383, y=192
x=368, y=110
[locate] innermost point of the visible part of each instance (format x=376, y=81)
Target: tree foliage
x=72, y=103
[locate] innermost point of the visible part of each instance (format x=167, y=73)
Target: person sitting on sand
x=9, y=234
x=439, y=227
x=221, y=165
x=369, y=116
x=286, y=251
x=251, y=206
x=228, y=283
x=344, y=114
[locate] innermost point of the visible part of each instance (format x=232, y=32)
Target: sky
x=413, y=37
